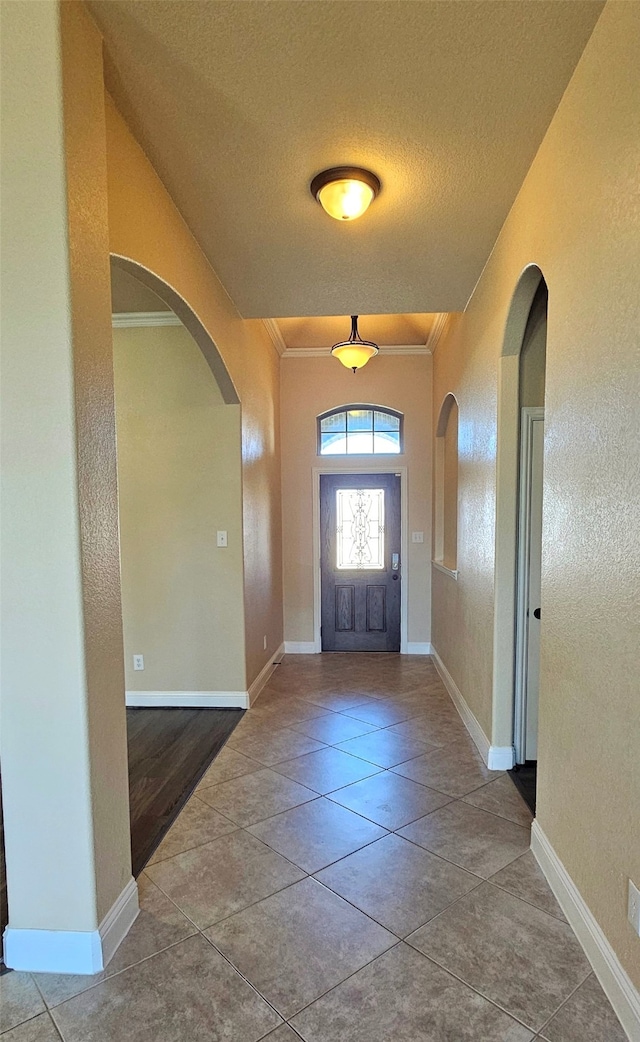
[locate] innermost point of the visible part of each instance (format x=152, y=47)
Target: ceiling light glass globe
x=353, y=356
x=345, y=200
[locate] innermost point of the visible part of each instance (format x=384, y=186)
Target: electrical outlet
x=138, y=661
x=633, y=911
x=264, y=642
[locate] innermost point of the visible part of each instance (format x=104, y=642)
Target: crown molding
x=136, y=319
x=437, y=330
x=133, y=319
x=273, y=329
x=385, y=349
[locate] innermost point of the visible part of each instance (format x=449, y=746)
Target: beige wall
x=146, y=227
x=312, y=386
x=86, y=176
x=64, y=767
x=64, y=738
x=179, y=477
x=577, y=217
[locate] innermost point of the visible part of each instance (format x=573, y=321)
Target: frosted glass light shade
x=345, y=192
x=354, y=352
x=345, y=200
x=354, y=356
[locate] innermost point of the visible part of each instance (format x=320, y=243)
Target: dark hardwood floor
x=524, y=777
x=169, y=751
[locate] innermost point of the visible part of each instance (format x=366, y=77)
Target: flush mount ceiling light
x=345, y=192
x=354, y=352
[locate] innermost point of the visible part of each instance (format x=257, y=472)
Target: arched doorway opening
x=181, y=549
x=519, y=482
x=189, y=319
x=180, y=501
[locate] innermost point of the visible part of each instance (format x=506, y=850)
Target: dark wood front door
x=360, y=562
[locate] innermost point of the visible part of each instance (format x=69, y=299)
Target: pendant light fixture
x=345, y=192
x=354, y=352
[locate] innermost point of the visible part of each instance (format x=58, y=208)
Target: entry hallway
x=348, y=865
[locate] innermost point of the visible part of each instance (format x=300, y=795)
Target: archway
x=180, y=501
x=507, y=515
x=189, y=319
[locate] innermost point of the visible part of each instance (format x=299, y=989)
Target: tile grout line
x=564, y=1001
x=328, y=795
x=524, y=899
x=216, y=922
x=307, y=875
x=46, y=1012
x=187, y=850
x=373, y=728
x=389, y=832
x=494, y=813
x=477, y=991
x=245, y=979
x=313, y=875
x=460, y=980
x=400, y=940
x=315, y=796
x=117, y=973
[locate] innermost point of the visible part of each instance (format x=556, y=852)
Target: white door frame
x=529, y=416
x=363, y=468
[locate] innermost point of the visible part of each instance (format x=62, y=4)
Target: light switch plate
x=417, y=537
x=221, y=538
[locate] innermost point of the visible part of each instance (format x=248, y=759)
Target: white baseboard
x=469, y=720
x=190, y=699
x=309, y=647
x=73, y=951
x=118, y=921
x=418, y=648
x=300, y=647
x=501, y=757
x=205, y=699
x=614, y=979
x=256, y=687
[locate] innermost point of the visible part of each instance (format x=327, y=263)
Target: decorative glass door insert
x=360, y=578
x=360, y=528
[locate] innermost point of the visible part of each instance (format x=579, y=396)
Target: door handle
x=395, y=562
x=536, y=613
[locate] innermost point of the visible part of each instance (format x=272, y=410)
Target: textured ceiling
x=129, y=296
x=239, y=104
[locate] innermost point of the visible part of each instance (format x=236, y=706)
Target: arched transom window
x=359, y=430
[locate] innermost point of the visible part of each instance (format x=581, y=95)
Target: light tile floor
x=347, y=865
